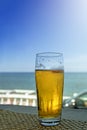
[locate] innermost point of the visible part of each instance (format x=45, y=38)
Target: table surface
x=67, y=113
x=25, y=118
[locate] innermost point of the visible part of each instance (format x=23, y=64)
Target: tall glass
x=49, y=75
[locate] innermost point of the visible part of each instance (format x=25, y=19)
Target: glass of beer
x=49, y=75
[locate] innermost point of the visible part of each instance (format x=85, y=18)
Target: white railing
x=20, y=97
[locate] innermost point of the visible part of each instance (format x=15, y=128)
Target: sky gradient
x=28, y=27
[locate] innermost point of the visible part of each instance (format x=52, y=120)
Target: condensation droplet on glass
x=42, y=66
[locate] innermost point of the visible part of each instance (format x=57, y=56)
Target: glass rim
x=49, y=54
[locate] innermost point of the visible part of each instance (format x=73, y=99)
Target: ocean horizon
x=74, y=82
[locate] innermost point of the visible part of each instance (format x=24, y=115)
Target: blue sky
x=31, y=26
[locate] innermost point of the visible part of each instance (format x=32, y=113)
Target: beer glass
x=49, y=75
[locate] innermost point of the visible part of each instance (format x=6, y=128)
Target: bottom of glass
x=50, y=122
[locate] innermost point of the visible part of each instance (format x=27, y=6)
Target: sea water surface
x=73, y=82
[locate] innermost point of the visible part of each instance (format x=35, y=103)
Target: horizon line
x=34, y=71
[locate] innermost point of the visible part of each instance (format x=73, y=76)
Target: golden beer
x=49, y=85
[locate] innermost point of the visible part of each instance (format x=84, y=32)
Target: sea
x=73, y=82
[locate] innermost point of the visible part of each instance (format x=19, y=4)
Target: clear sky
x=31, y=26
